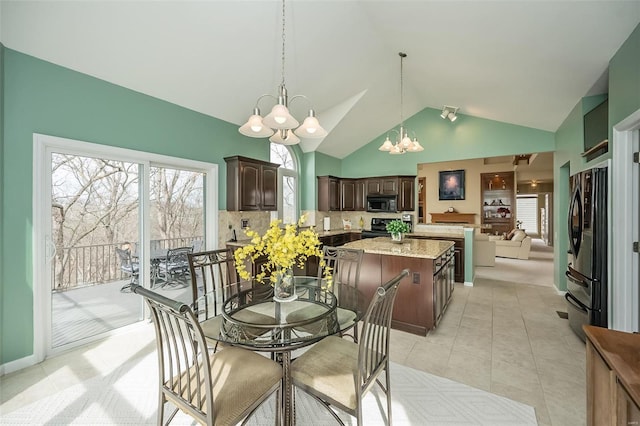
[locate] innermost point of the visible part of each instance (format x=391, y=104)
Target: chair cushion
x=240, y=379
x=330, y=368
x=511, y=233
x=211, y=326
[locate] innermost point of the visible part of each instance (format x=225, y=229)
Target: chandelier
x=279, y=125
x=403, y=142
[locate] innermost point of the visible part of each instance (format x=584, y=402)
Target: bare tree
x=90, y=197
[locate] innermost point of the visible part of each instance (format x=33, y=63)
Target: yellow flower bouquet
x=284, y=248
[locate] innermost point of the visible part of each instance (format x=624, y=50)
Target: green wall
x=624, y=80
x=466, y=138
x=624, y=99
x=44, y=98
x=3, y=319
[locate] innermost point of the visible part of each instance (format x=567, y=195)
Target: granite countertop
x=433, y=234
x=337, y=232
x=426, y=249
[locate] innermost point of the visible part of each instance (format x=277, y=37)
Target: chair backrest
x=344, y=263
x=183, y=359
x=212, y=273
x=178, y=254
x=125, y=257
x=373, y=350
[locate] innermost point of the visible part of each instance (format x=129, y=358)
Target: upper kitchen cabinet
x=406, y=193
x=360, y=200
x=251, y=184
x=498, y=201
x=347, y=194
x=328, y=193
x=382, y=185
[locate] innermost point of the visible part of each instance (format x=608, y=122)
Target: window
x=527, y=208
x=287, y=183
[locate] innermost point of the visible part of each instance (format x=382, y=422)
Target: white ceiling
x=521, y=62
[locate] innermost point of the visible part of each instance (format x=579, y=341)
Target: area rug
x=128, y=396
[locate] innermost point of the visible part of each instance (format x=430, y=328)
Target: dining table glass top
x=247, y=315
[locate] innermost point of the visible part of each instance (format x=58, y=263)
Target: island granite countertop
x=426, y=249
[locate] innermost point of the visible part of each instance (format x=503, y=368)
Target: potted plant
x=397, y=228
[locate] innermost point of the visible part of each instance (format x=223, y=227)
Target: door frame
x=624, y=288
x=43, y=146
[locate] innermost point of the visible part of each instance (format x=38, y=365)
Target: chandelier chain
x=402, y=55
x=283, y=41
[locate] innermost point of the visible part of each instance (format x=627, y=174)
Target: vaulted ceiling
x=521, y=62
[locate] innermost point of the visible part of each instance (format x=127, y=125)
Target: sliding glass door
x=105, y=218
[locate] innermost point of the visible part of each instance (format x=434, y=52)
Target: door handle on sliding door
x=49, y=248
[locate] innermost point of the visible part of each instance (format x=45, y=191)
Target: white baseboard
x=18, y=364
x=468, y=283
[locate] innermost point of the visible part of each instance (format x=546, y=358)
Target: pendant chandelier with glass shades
x=403, y=142
x=279, y=125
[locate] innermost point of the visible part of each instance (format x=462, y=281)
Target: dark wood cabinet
x=498, y=201
x=382, y=185
x=422, y=297
x=251, y=184
x=406, y=194
x=328, y=193
x=458, y=254
x=347, y=194
x=360, y=199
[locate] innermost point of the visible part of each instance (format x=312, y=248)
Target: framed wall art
x=452, y=185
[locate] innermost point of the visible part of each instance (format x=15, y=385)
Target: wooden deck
x=89, y=311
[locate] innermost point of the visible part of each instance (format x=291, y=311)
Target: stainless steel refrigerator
x=587, y=286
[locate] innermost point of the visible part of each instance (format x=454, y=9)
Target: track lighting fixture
x=450, y=113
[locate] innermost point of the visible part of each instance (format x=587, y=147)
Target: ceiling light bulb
x=255, y=122
x=444, y=113
x=311, y=124
x=452, y=117
x=280, y=114
x=406, y=141
x=387, y=145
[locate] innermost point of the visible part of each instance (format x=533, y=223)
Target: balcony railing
x=98, y=264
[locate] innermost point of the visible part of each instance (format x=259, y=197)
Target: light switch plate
x=244, y=223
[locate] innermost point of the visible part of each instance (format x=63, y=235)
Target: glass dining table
x=246, y=315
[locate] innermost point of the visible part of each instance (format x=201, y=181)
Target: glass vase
x=396, y=237
x=284, y=288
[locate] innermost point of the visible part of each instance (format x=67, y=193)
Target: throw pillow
x=511, y=233
x=519, y=236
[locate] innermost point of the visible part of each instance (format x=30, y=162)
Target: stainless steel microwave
x=381, y=203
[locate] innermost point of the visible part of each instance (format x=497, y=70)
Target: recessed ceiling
x=520, y=62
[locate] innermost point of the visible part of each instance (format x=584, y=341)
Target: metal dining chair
x=338, y=372
x=345, y=266
x=214, y=279
x=175, y=266
x=219, y=389
x=128, y=267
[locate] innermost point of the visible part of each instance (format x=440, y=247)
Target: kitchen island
x=422, y=298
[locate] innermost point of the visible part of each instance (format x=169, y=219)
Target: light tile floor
x=507, y=339
x=501, y=337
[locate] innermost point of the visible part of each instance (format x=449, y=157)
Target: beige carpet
x=537, y=270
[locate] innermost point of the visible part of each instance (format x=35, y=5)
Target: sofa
x=516, y=245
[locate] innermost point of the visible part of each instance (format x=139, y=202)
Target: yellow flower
x=283, y=248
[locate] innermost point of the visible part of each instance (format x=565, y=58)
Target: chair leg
x=161, y=409
x=388, y=392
